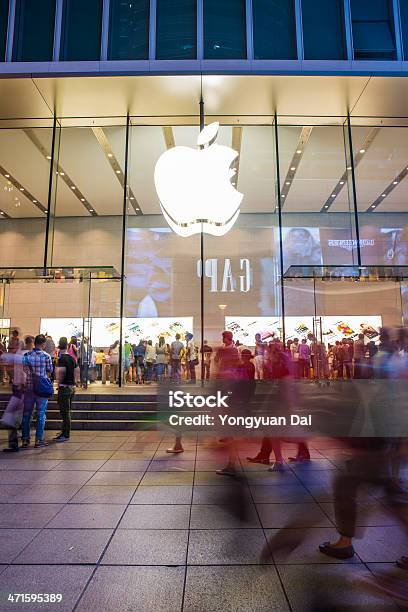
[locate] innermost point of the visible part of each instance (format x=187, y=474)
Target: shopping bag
x=12, y=415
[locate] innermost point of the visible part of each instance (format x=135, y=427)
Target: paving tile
x=167, y=478
x=66, y=546
x=226, y=547
x=213, y=464
x=209, y=478
x=87, y=516
x=170, y=465
x=116, y=478
x=231, y=493
x=330, y=587
x=162, y=455
x=295, y=493
x=313, y=465
x=147, y=547
x=12, y=542
x=291, y=546
x=230, y=589
x=67, y=580
x=77, y=464
x=27, y=515
x=91, y=455
x=65, y=477
x=15, y=463
x=133, y=455
x=382, y=544
x=263, y=477
x=21, y=477
x=156, y=517
x=139, y=589
x=125, y=465
x=173, y=494
x=9, y=493
x=47, y=494
x=223, y=517
x=104, y=445
x=104, y=494
x=292, y=515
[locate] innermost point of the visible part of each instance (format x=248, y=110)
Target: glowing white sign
x=195, y=189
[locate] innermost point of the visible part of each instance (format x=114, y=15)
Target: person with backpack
x=37, y=366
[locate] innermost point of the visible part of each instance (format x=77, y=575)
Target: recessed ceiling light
x=62, y=173
x=327, y=206
x=293, y=168
x=341, y=182
x=1, y=213
x=7, y=175
x=283, y=195
x=362, y=151
x=383, y=195
x=132, y=198
x=82, y=199
x=373, y=206
x=73, y=187
x=299, y=151
x=348, y=167
x=49, y=157
x=395, y=183
x=333, y=195
x=21, y=188
x=45, y=211
x=91, y=210
x=117, y=171
x=34, y=201
x=110, y=154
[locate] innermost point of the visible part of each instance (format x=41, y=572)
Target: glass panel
x=34, y=31
x=274, y=29
x=373, y=29
x=176, y=29
x=381, y=159
x=81, y=30
x=129, y=30
x=24, y=180
x=224, y=29
x=323, y=29
x=317, y=218
x=4, y=4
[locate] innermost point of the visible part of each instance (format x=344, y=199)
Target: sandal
x=347, y=552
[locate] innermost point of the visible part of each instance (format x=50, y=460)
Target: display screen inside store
x=328, y=329
x=105, y=331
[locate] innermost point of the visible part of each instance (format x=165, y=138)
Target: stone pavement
x=113, y=522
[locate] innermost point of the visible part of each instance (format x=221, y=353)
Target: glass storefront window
x=373, y=30
x=274, y=29
x=404, y=25
x=224, y=29
x=4, y=6
x=81, y=30
x=176, y=32
x=323, y=29
x=129, y=30
x=34, y=31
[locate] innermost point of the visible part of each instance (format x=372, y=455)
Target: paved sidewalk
x=113, y=522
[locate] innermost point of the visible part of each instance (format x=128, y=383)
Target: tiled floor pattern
x=112, y=522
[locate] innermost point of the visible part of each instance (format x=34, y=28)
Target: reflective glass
x=274, y=29
x=323, y=29
x=34, y=31
x=129, y=30
x=224, y=29
x=81, y=30
x=373, y=29
x=176, y=29
x=404, y=25
x=3, y=27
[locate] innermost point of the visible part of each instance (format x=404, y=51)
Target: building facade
x=310, y=94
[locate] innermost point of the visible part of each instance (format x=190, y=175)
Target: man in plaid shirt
x=36, y=362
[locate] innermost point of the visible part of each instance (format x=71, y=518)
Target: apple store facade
x=320, y=243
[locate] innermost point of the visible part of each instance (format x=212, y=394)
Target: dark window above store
x=373, y=30
x=81, y=30
x=323, y=30
x=274, y=29
x=224, y=29
x=404, y=26
x=34, y=31
x=176, y=33
x=3, y=28
x=129, y=30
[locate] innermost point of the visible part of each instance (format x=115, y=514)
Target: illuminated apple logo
x=195, y=189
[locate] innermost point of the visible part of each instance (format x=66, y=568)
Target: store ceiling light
x=362, y=151
x=117, y=171
x=7, y=175
x=299, y=151
x=49, y=157
x=21, y=188
x=73, y=187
